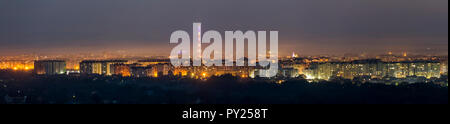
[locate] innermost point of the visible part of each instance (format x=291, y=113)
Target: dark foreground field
x=22, y=88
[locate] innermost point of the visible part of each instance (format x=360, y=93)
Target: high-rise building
x=373, y=69
x=49, y=67
x=99, y=67
x=444, y=67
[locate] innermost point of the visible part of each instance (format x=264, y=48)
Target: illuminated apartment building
x=49, y=67
x=162, y=69
x=139, y=70
x=373, y=69
x=99, y=67
x=444, y=67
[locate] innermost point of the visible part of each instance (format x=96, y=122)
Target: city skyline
x=242, y=52
x=306, y=27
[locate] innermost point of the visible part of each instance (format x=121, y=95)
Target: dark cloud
x=307, y=26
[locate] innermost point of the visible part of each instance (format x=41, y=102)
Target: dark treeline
x=216, y=90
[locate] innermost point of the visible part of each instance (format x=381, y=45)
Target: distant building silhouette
x=99, y=67
x=49, y=67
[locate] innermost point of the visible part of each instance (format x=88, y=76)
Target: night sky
x=308, y=27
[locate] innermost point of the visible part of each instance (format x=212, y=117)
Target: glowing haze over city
x=307, y=27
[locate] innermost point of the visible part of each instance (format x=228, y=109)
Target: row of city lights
x=26, y=68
